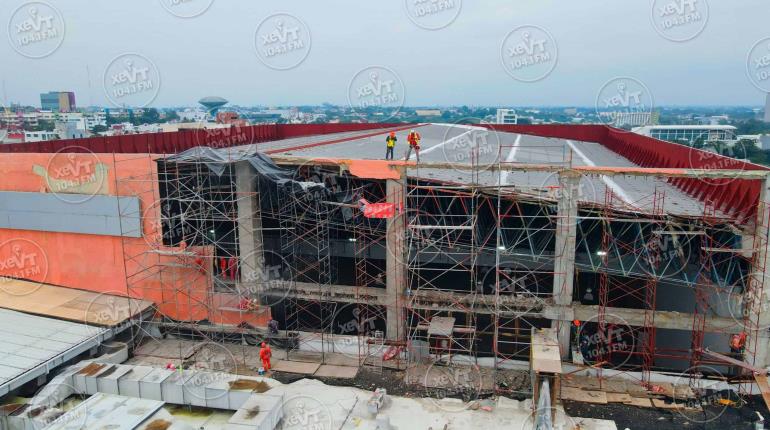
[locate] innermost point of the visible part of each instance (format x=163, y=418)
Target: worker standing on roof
x=414, y=143
x=264, y=354
x=390, y=143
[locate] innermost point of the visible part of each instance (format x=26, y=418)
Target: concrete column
x=395, y=263
x=250, y=249
x=564, y=261
x=757, y=296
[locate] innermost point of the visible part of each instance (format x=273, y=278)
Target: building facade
x=58, y=101
x=507, y=116
x=689, y=133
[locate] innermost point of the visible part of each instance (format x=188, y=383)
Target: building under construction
x=645, y=257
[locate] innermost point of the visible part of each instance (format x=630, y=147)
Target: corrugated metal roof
x=31, y=344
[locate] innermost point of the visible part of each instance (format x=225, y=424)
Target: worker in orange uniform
x=738, y=343
x=414, y=143
x=390, y=143
x=264, y=354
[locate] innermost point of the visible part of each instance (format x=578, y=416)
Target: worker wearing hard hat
x=414, y=143
x=264, y=354
x=390, y=143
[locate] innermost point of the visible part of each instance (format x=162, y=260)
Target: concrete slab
x=331, y=371
x=296, y=367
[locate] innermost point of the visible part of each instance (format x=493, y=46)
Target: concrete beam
x=511, y=306
x=564, y=262
x=395, y=262
x=585, y=170
x=250, y=246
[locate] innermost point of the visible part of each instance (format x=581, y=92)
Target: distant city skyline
x=214, y=54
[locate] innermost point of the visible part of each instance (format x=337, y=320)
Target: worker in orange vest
x=738, y=343
x=264, y=354
x=414, y=143
x=390, y=143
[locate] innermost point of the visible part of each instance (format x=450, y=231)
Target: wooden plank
x=763, y=387
x=618, y=397
x=545, y=356
x=578, y=395
x=639, y=402
x=99, y=309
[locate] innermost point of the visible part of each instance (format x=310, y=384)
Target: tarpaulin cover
x=217, y=159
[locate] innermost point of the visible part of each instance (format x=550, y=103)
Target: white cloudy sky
x=213, y=54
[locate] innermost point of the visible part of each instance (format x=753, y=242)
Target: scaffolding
x=478, y=258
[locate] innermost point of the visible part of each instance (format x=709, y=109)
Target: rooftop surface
x=31, y=342
x=450, y=143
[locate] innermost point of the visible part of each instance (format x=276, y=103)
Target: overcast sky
x=214, y=52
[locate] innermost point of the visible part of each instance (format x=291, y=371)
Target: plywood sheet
x=331, y=371
x=98, y=309
x=295, y=367
x=578, y=395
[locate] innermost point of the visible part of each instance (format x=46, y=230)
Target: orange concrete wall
x=101, y=263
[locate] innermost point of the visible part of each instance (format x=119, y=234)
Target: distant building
x=753, y=139
x=507, y=116
x=58, y=101
x=632, y=119
x=40, y=136
x=427, y=112
x=689, y=133
x=713, y=120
